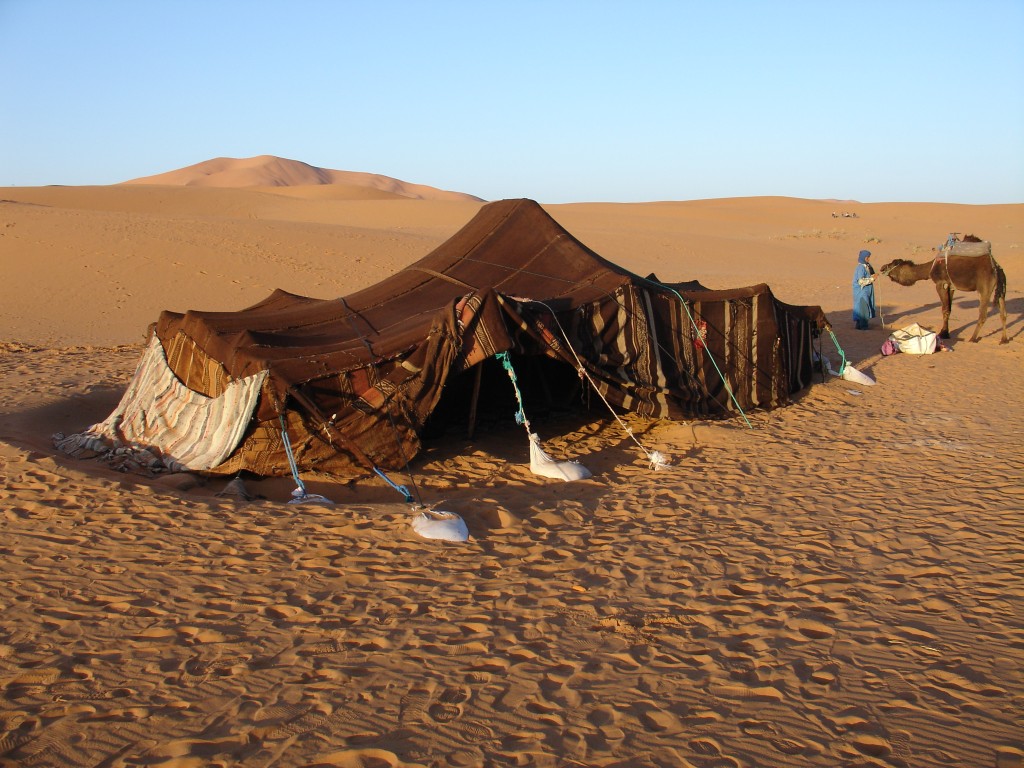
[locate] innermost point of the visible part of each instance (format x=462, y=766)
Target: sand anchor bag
x=914, y=340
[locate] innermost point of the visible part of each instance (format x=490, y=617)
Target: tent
x=345, y=386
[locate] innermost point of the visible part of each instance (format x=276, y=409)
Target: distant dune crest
x=271, y=171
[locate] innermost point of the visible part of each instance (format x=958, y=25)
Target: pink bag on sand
x=890, y=347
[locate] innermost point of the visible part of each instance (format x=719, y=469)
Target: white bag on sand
x=447, y=526
x=852, y=374
x=543, y=465
x=915, y=340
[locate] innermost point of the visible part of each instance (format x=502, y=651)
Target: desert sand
x=840, y=584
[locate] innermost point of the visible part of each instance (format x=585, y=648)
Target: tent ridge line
x=443, y=276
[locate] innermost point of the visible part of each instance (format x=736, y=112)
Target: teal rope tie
x=842, y=355
x=291, y=456
x=400, y=488
x=302, y=487
x=506, y=363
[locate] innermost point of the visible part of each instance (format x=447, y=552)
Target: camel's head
x=896, y=271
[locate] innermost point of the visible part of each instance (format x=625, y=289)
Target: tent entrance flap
x=181, y=428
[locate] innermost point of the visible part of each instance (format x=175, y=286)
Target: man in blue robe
x=863, y=291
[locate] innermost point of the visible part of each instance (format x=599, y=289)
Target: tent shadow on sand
x=31, y=427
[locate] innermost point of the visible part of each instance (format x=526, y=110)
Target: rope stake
x=400, y=488
x=540, y=462
x=506, y=363
x=291, y=457
x=300, y=494
x=391, y=419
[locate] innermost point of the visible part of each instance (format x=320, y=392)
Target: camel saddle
x=984, y=248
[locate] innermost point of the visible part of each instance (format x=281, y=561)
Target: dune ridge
x=838, y=585
x=277, y=172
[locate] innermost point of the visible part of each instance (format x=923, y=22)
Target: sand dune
x=277, y=172
x=839, y=585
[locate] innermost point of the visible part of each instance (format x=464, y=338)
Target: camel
x=950, y=272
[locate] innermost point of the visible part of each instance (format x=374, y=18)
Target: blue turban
x=863, y=256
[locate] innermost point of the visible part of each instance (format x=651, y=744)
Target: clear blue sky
x=561, y=100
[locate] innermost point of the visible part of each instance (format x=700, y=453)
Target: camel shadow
x=965, y=314
x=892, y=315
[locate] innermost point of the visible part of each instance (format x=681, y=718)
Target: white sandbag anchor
x=852, y=374
x=658, y=460
x=438, y=524
x=301, y=496
x=543, y=465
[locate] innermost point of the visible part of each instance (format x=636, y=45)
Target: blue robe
x=863, y=295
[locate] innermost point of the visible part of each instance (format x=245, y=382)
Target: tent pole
x=329, y=429
x=475, y=399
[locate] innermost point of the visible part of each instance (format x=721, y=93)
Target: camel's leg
x=1002, y=316
x=946, y=300
x=984, y=299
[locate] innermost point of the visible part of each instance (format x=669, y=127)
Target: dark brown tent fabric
x=354, y=379
x=761, y=347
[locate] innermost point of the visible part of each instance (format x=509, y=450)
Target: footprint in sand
x=448, y=706
x=757, y=728
x=871, y=745
x=766, y=693
x=308, y=719
x=658, y=720
x=815, y=630
x=706, y=747
x=195, y=672
x=515, y=695
x=413, y=706
x=767, y=731
x=952, y=680
x=900, y=741
x=531, y=632
x=326, y=647
x=603, y=715
x=49, y=747
x=899, y=686
x=787, y=746
x=12, y=741
x=474, y=732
